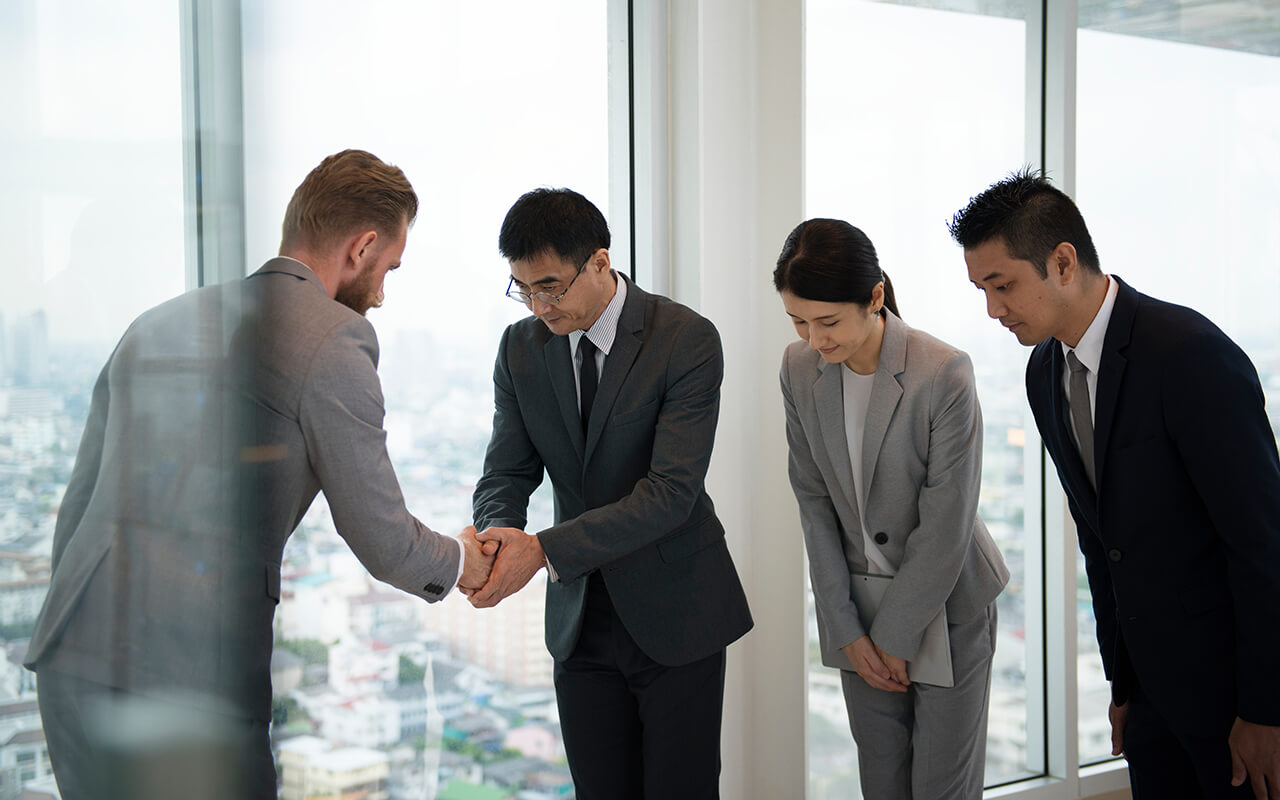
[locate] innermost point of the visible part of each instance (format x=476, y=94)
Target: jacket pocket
x=273, y=582
x=686, y=544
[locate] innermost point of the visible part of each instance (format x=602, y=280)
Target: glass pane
x=91, y=211
x=1186, y=212
x=476, y=114
x=892, y=147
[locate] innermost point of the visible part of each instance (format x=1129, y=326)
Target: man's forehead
x=545, y=268
x=991, y=261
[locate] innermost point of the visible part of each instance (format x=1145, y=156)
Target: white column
x=735, y=117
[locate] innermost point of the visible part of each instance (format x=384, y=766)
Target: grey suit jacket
x=214, y=423
x=629, y=496
x=921, y=466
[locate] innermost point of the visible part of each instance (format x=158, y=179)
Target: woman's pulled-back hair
x=831, y=261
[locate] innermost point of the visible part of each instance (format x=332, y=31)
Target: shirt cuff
x=551, y=571
x=462, y=563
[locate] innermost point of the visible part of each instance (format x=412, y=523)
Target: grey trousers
x=109, y=744
x=929, y=743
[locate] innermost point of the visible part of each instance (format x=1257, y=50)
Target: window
x=895, y=143
x=476, y=114
x=1187, y=212
x=91, y=206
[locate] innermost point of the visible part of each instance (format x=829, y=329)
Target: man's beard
x=360, y=294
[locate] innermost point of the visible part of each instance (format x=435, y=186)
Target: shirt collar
x=605, y=329
x=1089, y=348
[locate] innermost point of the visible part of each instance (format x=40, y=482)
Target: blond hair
x=348, y=192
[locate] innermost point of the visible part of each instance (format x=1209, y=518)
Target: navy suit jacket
x=1182, y=537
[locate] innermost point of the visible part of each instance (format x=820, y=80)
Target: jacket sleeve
x=828, y=568
x=84, y=475
x=512, y=467
x=947, y=504
x=1219, y=425
x=341, y=413
x=662, y=500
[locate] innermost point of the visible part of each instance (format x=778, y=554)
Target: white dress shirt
x=601, y=333
x=1089, y=352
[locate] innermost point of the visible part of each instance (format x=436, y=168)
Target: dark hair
x=831, y=261
x=559, y=221
x=343, y=194
x=1031, y=216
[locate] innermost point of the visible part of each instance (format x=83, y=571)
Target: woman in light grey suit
x=885, y=439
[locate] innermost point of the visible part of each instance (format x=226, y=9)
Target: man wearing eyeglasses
x=614, y=393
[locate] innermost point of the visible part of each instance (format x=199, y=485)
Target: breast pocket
x=645, y=413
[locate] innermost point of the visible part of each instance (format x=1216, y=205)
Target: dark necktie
x=587, y=379
x=1078, y=395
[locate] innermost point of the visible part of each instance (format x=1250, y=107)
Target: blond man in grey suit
x=214, y=424
x=885, y=439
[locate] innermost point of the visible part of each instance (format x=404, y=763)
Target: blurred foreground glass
x=476, y=113
x=91, y=209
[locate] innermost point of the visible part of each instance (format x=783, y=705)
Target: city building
x=312, y=768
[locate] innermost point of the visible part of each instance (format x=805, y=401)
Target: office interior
x=150, y=147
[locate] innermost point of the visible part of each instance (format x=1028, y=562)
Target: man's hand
x=1118, y=715
x=477, y=560
x=1255, y=751
x=520, y=556
x=865, y=657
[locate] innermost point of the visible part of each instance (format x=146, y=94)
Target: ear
x=877, y=298
x=360, y=250
x=600, y=261
x=1064, y=266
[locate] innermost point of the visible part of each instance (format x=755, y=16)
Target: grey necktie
x=587, y=378
x=1078, y=394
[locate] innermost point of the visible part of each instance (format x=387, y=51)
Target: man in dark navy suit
x=1155, y=421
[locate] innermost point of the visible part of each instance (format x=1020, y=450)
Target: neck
x=1093, y=295
x=604, y=303
x=327, y=269
x=867, y=359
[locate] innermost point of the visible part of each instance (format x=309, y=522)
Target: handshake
x=497, y=563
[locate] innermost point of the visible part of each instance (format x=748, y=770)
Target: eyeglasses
x=543, y=297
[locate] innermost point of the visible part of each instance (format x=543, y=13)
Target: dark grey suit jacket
x=215, y=422
x=629, y=497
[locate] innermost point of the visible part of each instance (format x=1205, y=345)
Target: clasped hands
x=879, y=669
x=498, y=563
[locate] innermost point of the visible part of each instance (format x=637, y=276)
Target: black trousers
x=109, y=744
x=633, y=728
x=1168, y=765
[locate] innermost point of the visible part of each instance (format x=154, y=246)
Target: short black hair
x=559, y=221
x=1031, y=216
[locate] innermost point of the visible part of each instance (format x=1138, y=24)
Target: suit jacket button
x=1114, y=554
x=433, y=588
x=882, y=538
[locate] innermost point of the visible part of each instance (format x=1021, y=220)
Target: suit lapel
x=1111, y=371
x=886, y=391
x=617, y=365
x=828, y=401
x=555, y=351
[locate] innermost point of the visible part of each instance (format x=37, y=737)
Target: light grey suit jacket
x=629, y=495
x=921, y=466
x=214, y=423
